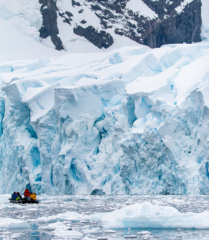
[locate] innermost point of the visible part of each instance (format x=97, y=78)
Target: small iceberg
x=148, y=216
x=10, y=223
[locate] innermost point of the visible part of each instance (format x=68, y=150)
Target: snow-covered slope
x=90, y=25
x=133, y=120
x=153, y=23
x=16, y=46
x=20, y=21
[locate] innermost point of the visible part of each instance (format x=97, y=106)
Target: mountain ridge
x=162, y=22
x=60, y=24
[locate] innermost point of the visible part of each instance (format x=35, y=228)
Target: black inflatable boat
x=24, y=201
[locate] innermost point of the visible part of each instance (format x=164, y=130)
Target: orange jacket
x=33, y=196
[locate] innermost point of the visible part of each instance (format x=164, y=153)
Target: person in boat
x=14, y=196
x=33, y=196
x=19, y=197
x=27, y=195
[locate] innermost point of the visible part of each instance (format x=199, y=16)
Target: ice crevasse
x=131, y=121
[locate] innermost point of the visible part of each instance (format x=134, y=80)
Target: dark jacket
x=14, y=196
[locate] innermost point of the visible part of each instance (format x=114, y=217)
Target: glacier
x=132, y=120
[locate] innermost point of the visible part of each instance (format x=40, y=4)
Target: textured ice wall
x=133, y=121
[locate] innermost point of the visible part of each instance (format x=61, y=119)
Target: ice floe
x=146, y=215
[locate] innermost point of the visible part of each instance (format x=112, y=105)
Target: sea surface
x=46, y=219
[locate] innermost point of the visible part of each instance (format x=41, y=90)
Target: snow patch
x=142, y=8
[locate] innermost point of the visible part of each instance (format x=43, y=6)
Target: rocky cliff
x=148, y=22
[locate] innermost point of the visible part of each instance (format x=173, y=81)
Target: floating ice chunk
x=130, y=236
x=13, y=223
x=110, y=231
x=144, y=233
x=68, y=234
x=56, y=225
x=146, y=215
x=97, y=216
x=62, y=229
x=17, y=235
x=68, y=216
x=94, y=230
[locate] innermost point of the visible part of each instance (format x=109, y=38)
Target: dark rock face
x=117, y=6
x=98, y=192
x=67, y=17
x=173, y=27
x=168, y=26
x=49, y=26
x=99, y=39
x=83, y=22
x=74, y=3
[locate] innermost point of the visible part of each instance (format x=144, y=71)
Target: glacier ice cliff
x=130, y=121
